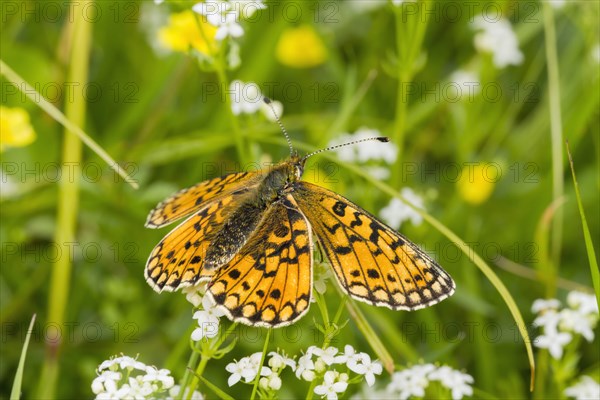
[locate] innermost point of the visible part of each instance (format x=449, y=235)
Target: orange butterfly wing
x=269, y=282
x=177, y=260
x=192, y=199
x=372, y=262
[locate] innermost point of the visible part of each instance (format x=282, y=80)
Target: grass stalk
x=68, y=198
x=556, y=135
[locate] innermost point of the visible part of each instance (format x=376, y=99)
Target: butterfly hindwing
x=269, y=282
x=372, y=262
x=192, y=199
x=178, y=259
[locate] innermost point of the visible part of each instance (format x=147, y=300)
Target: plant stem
x=68, y=198
x=262, y=360
x=556, y=137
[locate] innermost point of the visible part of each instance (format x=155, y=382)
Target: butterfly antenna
x=382, y=139
x=287, y=137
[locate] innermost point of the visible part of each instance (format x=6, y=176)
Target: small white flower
x=235, y=369
x=362, y=365
x=331, y=386
x=396, y=212
x=208, y=320
x=306, y=367
x=213, y=10
x=245, y=97
x=576, y=322
x=458, y=382
x=247, y=8
x=542, y=305
x=194, y=294
x=411, y=381
x=463, y=85
x=554, y=341
x=279, y=361
x=106, y=378
x=583, y=302
x=271, y=382
x=498, y=38
x=326, y=355
x=349, y=354
x=161, y=375
x=246, y=368
x=129, y=363
x=586, y=389
x=230, y=27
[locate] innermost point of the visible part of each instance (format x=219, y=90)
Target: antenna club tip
x=383, y=139
x=267, y=100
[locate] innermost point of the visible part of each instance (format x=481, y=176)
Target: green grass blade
x=218, y=391
x=59, y=117
x=17, y=383
x=586, y=233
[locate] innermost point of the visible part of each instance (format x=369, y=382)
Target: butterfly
x=250, y=236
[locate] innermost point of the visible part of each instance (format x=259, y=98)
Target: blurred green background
x=163, y=115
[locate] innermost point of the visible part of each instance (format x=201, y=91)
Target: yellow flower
x=185, y=32
x=476, y=182
x=15, y=129
x=301, y=47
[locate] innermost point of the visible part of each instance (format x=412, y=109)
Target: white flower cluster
x=226, y=15
x=246, y=98
x=367, y=151
x=126, y=378
x=559, y=326
x=397, y=211
x=315, y=363
x=497, y=37
x=415, y=380
x=586, y=389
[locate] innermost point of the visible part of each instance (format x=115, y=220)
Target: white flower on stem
x=331, y=386
x=463, y=85
x=326, y=355
x=246, y=368
x=498, y=38
x=138, y=388
x=586, y=389
x=553, y=340
x=230, y=27
x=271, y=382
x=363, y=365
x=245, y=97
x=411, y=381
x=540, y=305
x=582, y=302
x=208, y=320
x=349, y=354
x=576, y=322
x=213, y=10
x=163, y=376
x=322, y=275
x=247, y=8
x=396, y=212
x=458, y=382
x=104, y=380
x=194, y=294
x=278, y=361
x=306, y=368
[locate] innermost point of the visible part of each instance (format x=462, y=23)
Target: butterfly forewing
x=191, y=199
x=372, y=262
x=177, y=260
x=269, y=282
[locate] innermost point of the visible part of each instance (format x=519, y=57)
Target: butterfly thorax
x=279, y=180
x=244, y=219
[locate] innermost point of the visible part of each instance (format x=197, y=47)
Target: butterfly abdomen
x=234, y=233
